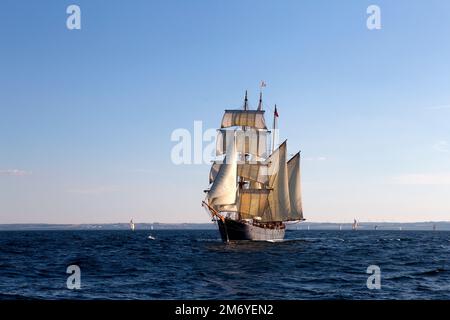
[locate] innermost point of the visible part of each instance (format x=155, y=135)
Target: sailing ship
x=132, y=226
x=253, y=192
x=355, y=224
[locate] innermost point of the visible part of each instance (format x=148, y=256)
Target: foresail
x=244, y=118
x=295, y=196
x=223, y=191
x=279, y=202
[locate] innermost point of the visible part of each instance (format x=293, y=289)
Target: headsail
x=295, y=196
x=223, y=191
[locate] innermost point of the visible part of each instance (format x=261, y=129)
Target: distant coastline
x=380, y=226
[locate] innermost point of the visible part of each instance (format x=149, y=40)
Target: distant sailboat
x=355, y=224
x=132, y=226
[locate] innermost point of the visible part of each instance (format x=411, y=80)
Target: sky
x=86, y=116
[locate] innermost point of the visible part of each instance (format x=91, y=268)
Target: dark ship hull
x=232, y=230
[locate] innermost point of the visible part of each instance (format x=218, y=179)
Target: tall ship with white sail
x=254, y=189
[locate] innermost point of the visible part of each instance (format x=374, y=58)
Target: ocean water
x=194, y=264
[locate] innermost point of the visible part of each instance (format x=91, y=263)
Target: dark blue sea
x=194, y=264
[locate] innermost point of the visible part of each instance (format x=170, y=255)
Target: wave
x=14, y=296
x=433, y=272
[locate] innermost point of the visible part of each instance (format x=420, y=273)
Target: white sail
x=223, y=191
x=214, y=171
x=228, y=208
x=250, y=184
x=252, y=171
x=244, y=118
x=249, y=141
x=253, y=202
x=280, y=206
x=295, y=196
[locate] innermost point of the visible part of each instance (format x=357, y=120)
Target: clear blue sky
x=86, y=115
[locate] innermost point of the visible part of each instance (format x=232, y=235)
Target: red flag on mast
x=275, y=113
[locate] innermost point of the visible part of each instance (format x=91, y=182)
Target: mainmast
x=260, y=101
x=246, y=101
x=240, y=179
x=275, y=117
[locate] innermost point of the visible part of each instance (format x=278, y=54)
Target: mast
x=240, y=179
x=260, y=101
x=246, y=101
x=275, y=116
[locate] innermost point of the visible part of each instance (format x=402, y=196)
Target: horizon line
x=304, y=222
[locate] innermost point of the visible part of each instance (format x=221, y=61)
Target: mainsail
x=295, y=194
x=280, y=206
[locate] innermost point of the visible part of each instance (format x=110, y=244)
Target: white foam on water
x=277, y=240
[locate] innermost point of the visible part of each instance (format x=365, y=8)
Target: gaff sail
x=279, y=202
x=295, y=192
